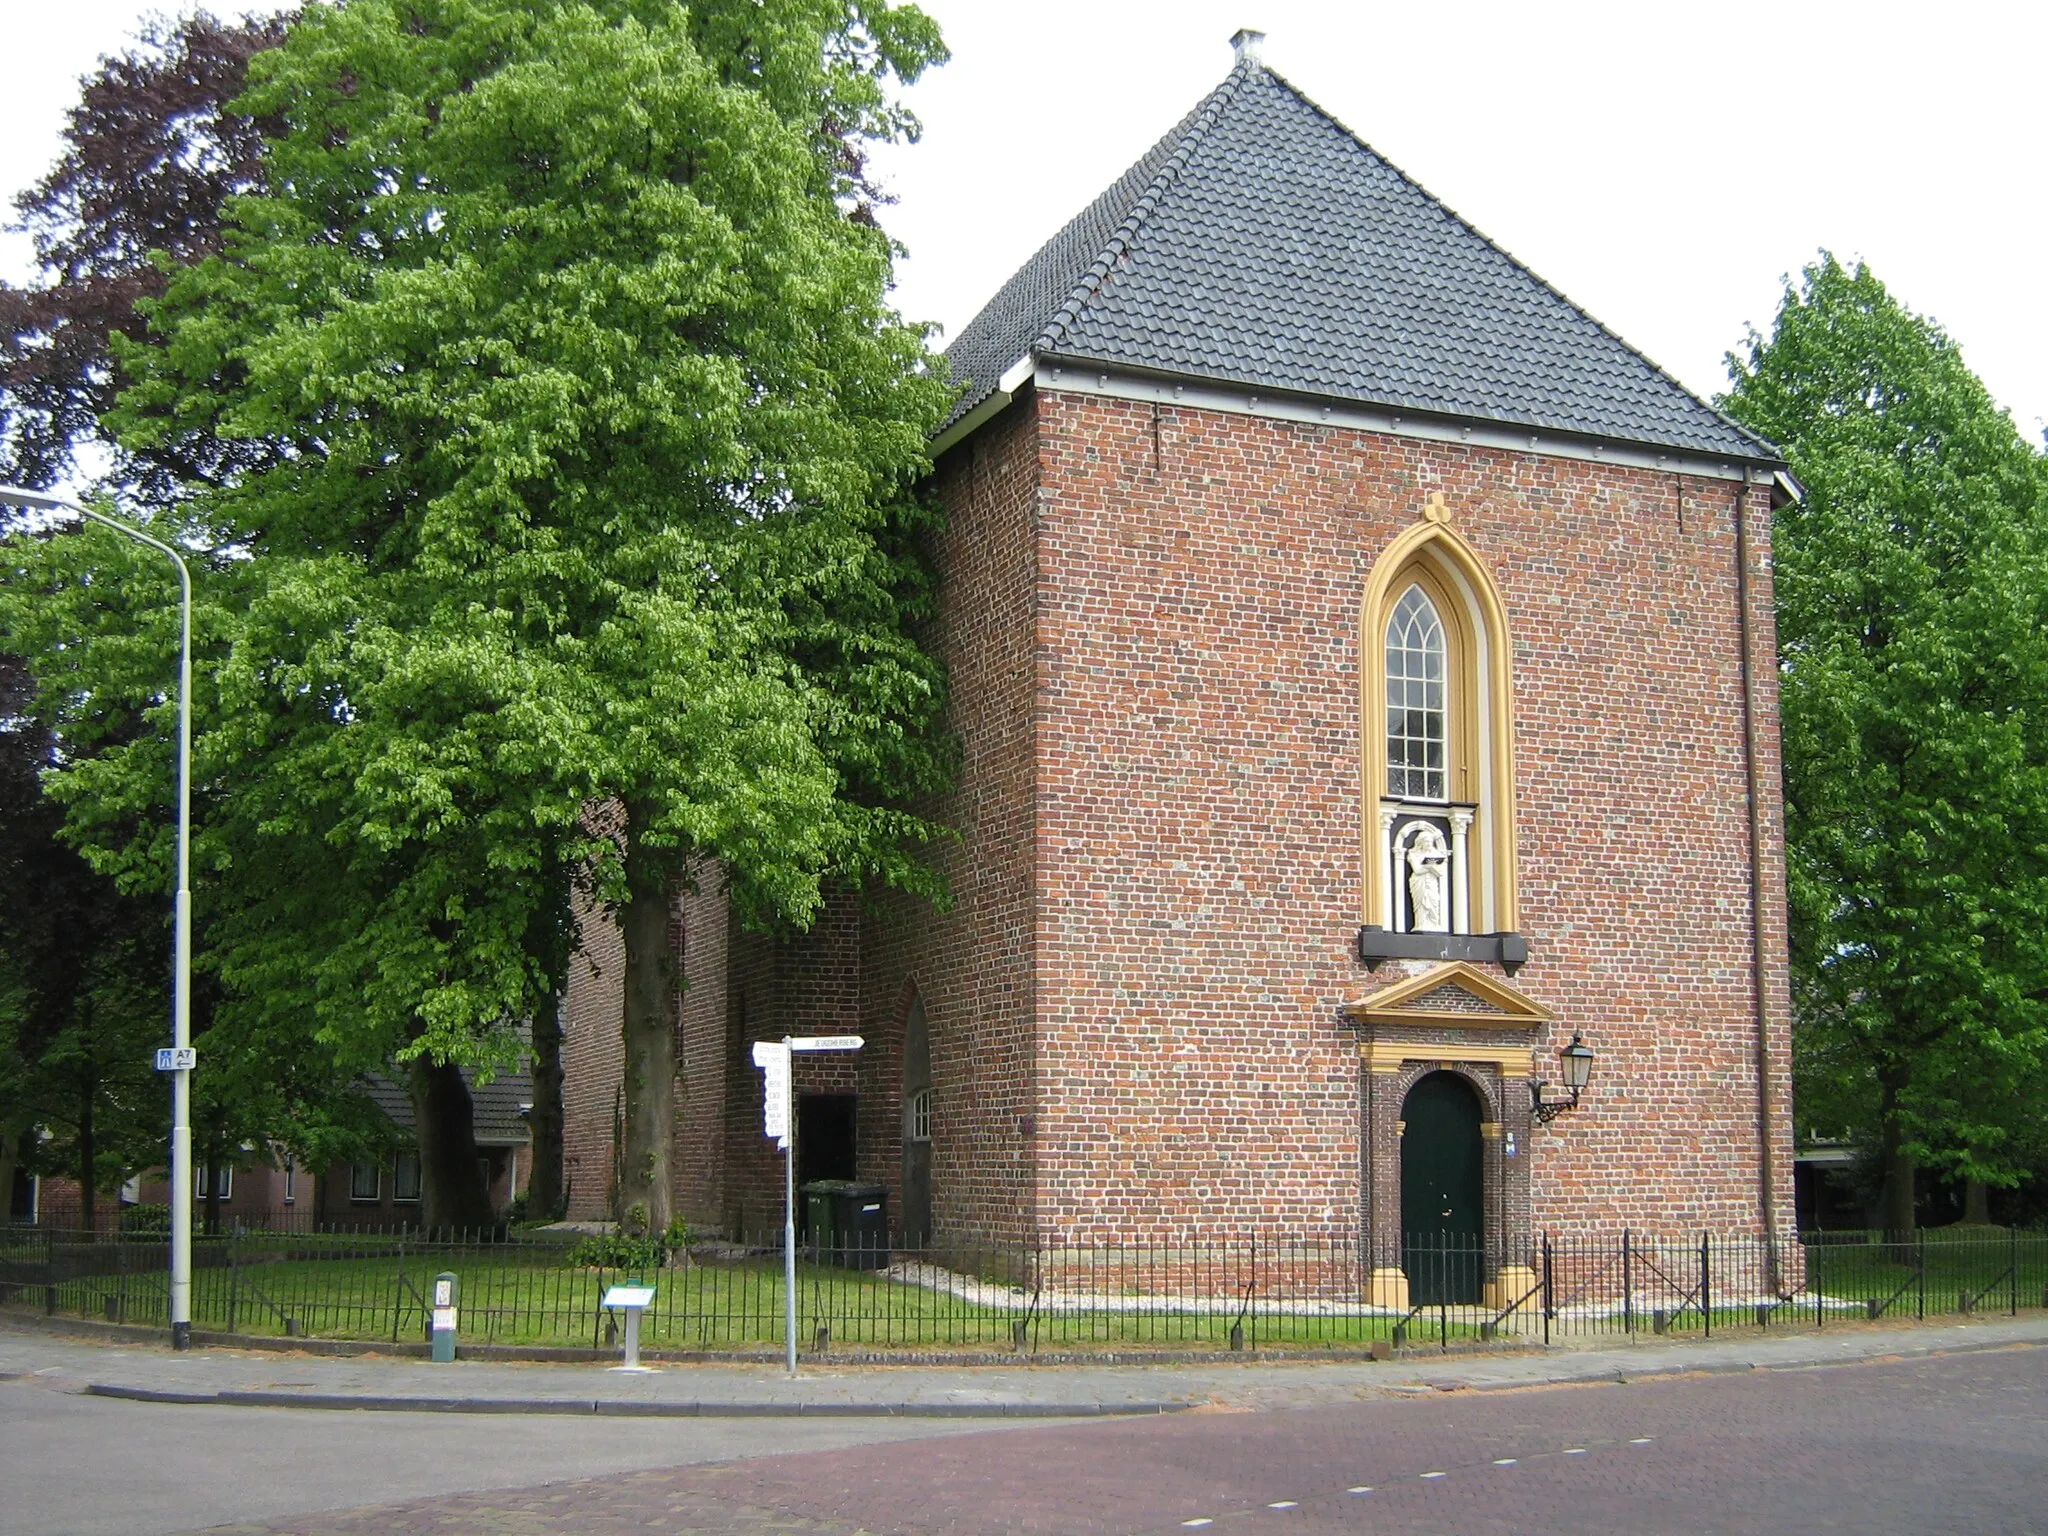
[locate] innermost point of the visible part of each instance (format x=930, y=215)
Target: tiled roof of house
x=1262, y=243
x=494, y=1106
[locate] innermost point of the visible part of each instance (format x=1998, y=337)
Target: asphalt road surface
x=1956, y=1443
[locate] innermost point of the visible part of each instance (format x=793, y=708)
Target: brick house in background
x=381, y=1191
x=1363, y=662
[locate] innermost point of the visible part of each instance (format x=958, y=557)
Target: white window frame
x=355, y=1182
x=1432, y=650
x=224, y=1177
x=917, y=1116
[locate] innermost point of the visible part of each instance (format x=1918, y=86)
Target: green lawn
x=356, y=1287
x=347, y=1288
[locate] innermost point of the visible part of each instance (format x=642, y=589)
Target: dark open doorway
x=824, y=1136
x=1443, y=1229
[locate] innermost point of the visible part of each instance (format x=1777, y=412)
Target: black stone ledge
x=1509, y=951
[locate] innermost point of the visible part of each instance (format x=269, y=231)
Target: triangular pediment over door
x=1457, y=995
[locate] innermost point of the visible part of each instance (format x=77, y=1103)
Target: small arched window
x=1416, y=749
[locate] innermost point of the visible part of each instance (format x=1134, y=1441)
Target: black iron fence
x=1237, y=1294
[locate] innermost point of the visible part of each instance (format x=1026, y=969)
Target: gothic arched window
x=1416, y=763
x=1438, y=770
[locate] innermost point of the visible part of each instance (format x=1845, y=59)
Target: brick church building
x=1364, y=670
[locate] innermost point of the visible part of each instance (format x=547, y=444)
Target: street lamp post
x=181, y=984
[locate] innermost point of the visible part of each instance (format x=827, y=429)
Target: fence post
x=2012, y=1269
x=1811, y=1253
x=1706, y=1285
x=1920, y=1267
x=1549, y=1294
x=234, y=1278
x=1628, y=1288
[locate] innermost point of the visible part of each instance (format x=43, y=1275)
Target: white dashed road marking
x=1502, y=1461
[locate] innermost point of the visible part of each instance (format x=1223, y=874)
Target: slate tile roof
x=1262, y=243
x=494, y=1106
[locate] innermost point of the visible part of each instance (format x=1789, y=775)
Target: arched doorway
x=917, y=1127
x=1443, y=1229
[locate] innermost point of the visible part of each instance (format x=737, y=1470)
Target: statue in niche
x=1429, y=882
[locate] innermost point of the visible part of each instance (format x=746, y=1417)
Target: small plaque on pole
x=182, y=1058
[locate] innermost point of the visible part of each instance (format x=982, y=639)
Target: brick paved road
x=1958, y=1443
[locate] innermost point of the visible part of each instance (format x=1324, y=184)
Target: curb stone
x=375, y=1403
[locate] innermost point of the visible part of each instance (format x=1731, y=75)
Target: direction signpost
x=773, y=1058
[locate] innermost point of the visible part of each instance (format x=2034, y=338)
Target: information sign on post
x=772, y=1057
x=632, y=1300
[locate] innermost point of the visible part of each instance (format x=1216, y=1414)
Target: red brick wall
x=1151, y=626
x=1198, y=818
x=703, y=1059
x=974, y=965
x=593, y=1059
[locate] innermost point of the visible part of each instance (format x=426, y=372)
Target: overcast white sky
x=1664, y=165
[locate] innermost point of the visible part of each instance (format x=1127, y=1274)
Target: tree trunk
x=88, y=1169
x=650, y=1101
x=544, y=1192
x=10, y=1144
x=1976, y=1203
x=1895, y=1205
x=453, y=1193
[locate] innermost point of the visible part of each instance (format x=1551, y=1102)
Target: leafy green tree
x=1912, y=611
x=589, y=447
x=84, y=996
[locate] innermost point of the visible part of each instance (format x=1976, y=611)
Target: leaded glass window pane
x=1415, y=699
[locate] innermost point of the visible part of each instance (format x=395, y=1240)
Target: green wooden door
x=1443, y=1233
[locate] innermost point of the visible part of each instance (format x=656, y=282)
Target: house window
x=1437, y=776
x=920, y=1115
x=223, y=1179
x=405, y=1176
x=365, y=1181
x=1416, y=765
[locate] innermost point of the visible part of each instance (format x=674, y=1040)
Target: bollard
x=447, y=1306
x=1660, y=1321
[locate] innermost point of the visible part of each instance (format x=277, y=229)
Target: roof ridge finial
x=1245, y=41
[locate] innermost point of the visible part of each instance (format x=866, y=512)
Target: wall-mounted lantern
x=1576, y=1060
